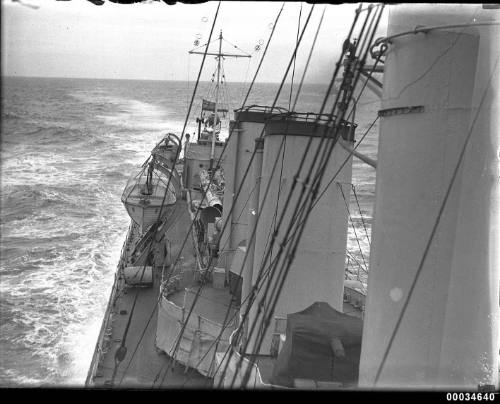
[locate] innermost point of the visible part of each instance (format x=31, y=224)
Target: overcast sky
x=151, y=40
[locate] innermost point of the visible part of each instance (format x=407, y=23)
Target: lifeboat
x=151, y=195
x=167, y=150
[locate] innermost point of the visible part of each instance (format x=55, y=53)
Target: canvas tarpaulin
x=312, y=336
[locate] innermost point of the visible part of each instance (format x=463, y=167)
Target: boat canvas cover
x=308, y=352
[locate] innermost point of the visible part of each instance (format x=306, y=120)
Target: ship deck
x=144, y=365
x=140, y=370
x=212, y=303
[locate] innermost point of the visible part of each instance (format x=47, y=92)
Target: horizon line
x=134, y=79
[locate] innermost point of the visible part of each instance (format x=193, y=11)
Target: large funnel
x=248, y=125
x=448, y=334
x=317, y=273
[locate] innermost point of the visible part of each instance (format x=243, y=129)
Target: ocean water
x=68, y=147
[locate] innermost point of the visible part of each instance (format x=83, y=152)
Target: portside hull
x=146, y=368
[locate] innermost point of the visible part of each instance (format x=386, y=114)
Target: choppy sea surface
x=68, y=147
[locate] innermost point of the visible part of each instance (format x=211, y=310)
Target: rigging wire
x=143, y=331
x=306, y=67
x=225, y=95
x=353, y=227
x=341, y=166
x=294, y=58
x=292, y=248
x=258, y=69
x=246, y=78
x=122, y=350
x=307, y=148
x=317, y=182
x=339, y=169
x=322, y=108
x=252, y=237
x=246, y=173
x=304, y=184
x=284, y=139
x=459, y=35
x=226, y=316
x=278, y=153
x=361, y=214
x=299, y=90
x=351, y=257
x=248, y=93
x=267, y=270
x=364, y=135
x=208, y=43
x=231, y=132
x=246, y=53
x=434, y=228
x=224, y=324
x=280, y=183
x=188, y=72
x=259, y=277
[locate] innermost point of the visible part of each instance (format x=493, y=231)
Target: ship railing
x=280, y=113
x=101, y=340
x=122, y=261
x=312, y=117
x=194, y=321
x=355, y=297
x=145, y=239
x=264, y=109
x=100, y=350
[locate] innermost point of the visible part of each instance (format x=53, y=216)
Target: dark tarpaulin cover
x=308, y=353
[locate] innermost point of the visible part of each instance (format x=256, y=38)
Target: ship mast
x=218, y=56
x=216, y=102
